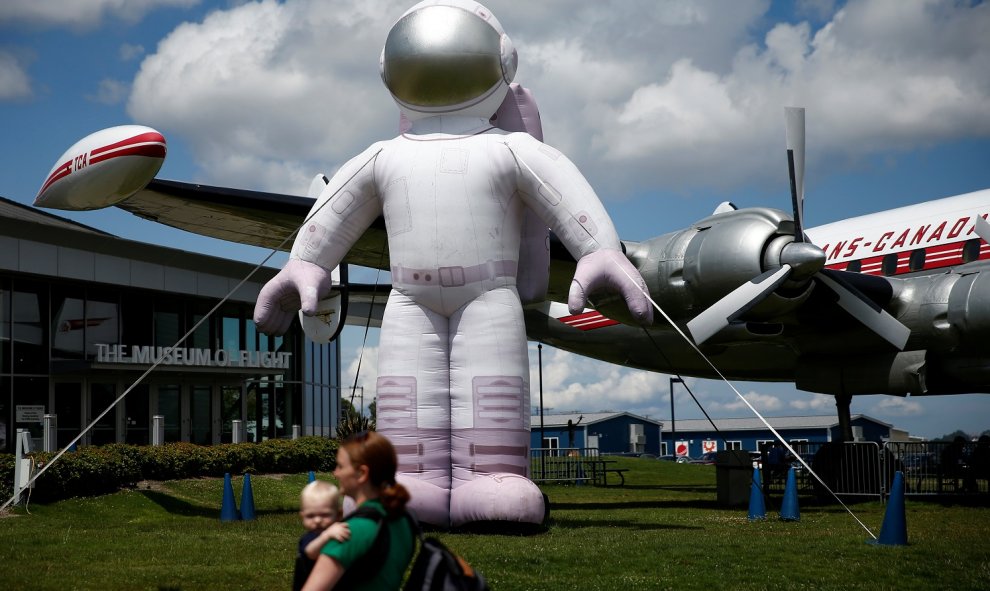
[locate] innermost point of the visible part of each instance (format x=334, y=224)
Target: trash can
x=733, y=477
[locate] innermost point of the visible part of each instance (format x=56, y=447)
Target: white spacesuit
x=453, y=387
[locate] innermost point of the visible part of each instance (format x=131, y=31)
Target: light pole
x=673, y=424
x=539, y=352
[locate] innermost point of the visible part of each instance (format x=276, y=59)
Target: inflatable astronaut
x=453, y=385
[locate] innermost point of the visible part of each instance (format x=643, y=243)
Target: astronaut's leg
x=489, y=385
x=413, y=407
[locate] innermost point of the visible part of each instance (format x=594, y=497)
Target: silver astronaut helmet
x=448, y=57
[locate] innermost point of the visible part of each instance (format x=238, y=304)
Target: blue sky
x=668, y=107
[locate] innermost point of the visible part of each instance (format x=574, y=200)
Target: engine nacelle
x=689, y=270
x=103, y=169
x=969, y=309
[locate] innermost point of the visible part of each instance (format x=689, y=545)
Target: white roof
x=755, y=424
x=586, y=418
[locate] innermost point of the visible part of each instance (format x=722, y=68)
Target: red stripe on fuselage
x=936, y=257
x=150, y=137
x=59, y=173
x=149, y=150
x=587, y=321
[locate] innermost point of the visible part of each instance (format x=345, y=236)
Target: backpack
x=437, y=568
x=434, y=568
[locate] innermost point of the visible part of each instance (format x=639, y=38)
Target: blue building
x=624, y=432
x=694, y=437
x=608, y=432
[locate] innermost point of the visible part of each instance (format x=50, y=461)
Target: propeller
x=801, y=261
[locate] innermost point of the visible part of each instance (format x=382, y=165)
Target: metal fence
x=562, y=464
x=867, y=469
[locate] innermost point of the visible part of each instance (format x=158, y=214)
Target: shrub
x=96, y=470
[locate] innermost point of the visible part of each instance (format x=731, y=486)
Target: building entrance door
x=170, y=406
x=102, y=395
x=201, y=415
x=68, y=410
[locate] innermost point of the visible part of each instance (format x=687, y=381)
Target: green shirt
x=363, y=532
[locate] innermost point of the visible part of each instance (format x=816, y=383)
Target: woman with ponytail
x=366, y=465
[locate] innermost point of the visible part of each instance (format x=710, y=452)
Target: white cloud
x=290, y=88
x=763, y=403
x=682, y=94
x=366, y=368
x=14, y=81
x=130, y=51
x=896, y=407
x=110, y=92
x=81, y=14
x=572, y=382
x=813, y=403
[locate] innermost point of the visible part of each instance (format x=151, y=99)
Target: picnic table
x=598, y=470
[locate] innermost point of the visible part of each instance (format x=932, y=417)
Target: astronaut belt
x=454, y=276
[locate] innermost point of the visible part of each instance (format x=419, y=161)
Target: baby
x=319, y=508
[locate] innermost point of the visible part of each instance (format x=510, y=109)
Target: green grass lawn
x=663, y=530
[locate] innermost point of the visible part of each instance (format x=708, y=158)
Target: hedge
x=97, y=470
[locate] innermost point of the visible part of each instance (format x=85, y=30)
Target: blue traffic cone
x=757, y=508
x=789, y=510
x=312, y=476
x=228, y=509
x=247, y=500
x=893, y=532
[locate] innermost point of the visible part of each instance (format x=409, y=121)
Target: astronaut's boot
x=424, y=454
x=491, y=460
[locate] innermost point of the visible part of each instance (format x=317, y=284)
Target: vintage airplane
x=896, y=302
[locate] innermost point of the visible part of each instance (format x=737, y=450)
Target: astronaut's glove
x=609, y=270
x=299, y=285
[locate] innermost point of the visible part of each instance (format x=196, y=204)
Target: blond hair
x=322, y=492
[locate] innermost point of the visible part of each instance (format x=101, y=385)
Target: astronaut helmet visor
x=441, y=56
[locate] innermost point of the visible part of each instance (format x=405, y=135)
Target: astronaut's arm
x=557, y=191
x=344, y=210
x=553, y=187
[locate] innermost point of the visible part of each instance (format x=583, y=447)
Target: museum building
x=84, y=315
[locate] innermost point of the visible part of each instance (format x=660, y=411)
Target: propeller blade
x=866, y=310
x=982, y=228
x=735, y=304
x=794, y=126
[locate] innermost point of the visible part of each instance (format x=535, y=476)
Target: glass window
x=971, y=250
x=6, y=419
x=168, y=323
x=137, y=320
x=889, y=265
x=168, y=406
x=202, y=337
x=29, y=317
x=68, y=411
x=254, y=340
x=136, y=416
x=231, y=337
x=68, y=322
x=854, y=266
x=917, y=260
x=230, y=409
x=5, y=332
x=30, y=395
x=102, y=396
x=102, y=321
x=201, y=417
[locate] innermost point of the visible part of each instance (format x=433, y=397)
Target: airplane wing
x=268, y=219
x=257, y=218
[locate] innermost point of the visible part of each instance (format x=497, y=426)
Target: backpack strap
x=367, y=565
